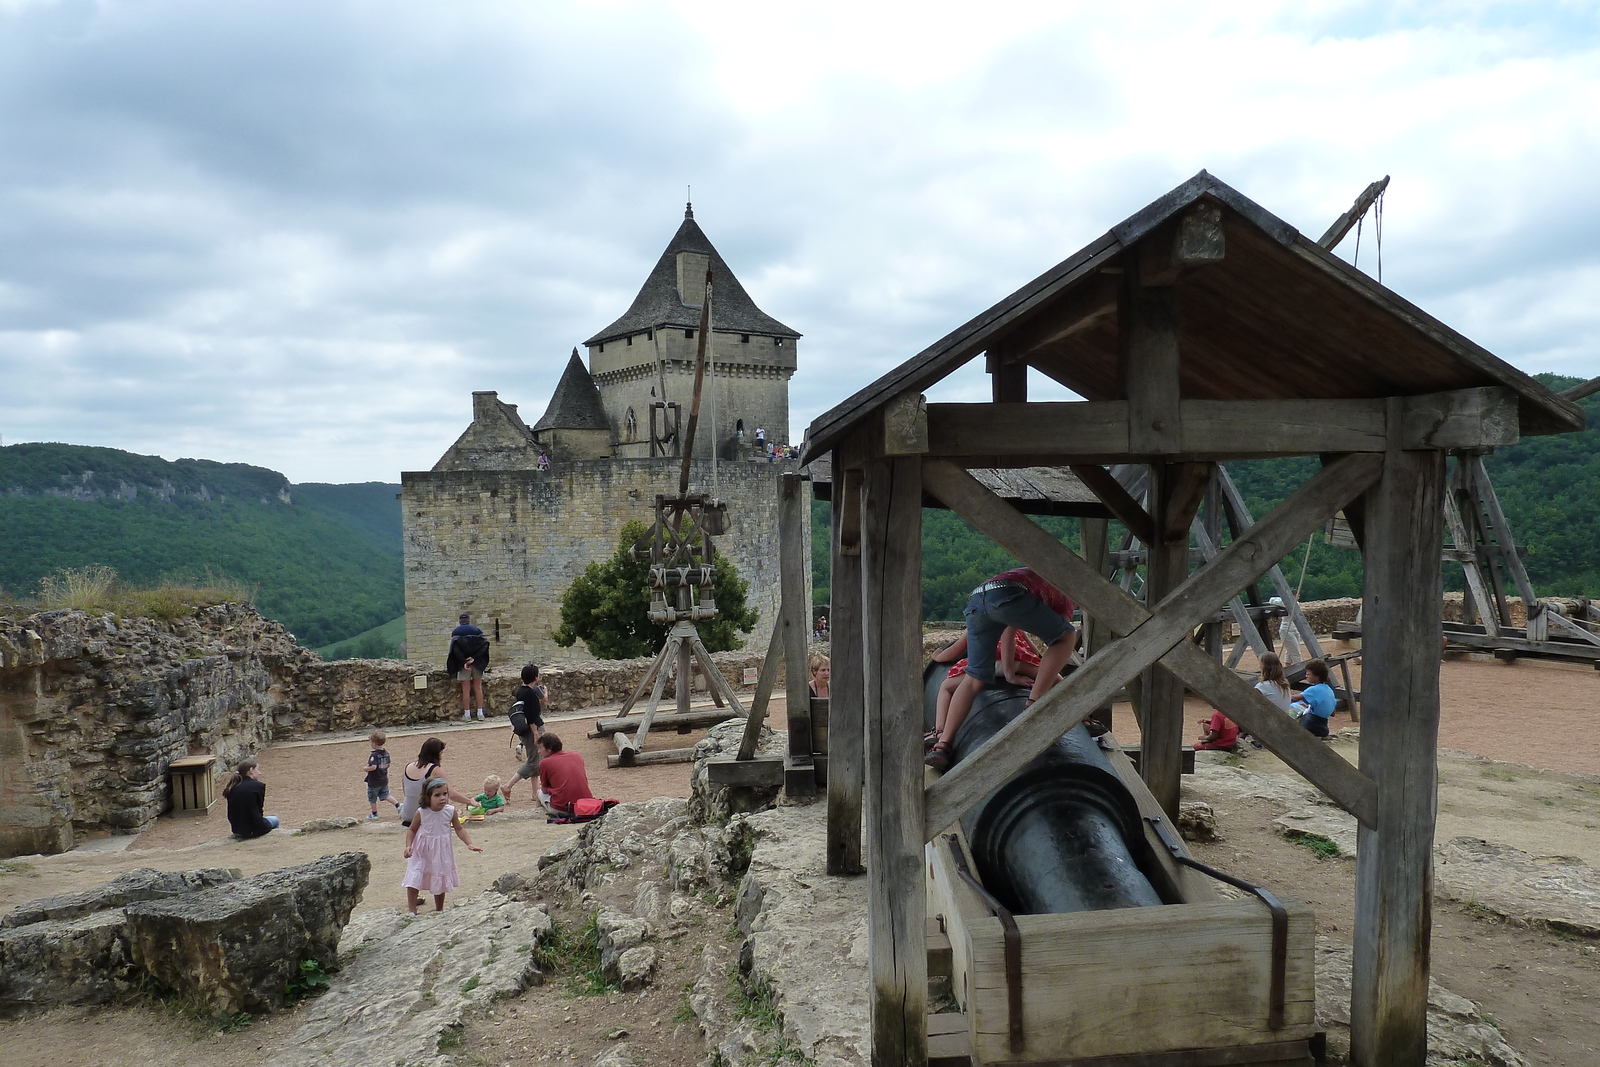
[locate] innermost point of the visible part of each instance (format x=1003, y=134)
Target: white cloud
x=299, y=234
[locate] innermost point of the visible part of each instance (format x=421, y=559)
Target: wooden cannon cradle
x=1189, y=978
x=1201, y=329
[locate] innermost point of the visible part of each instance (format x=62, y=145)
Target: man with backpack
x=468, y=659
x=527, y=722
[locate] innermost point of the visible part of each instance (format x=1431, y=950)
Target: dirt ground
x=1524, y=752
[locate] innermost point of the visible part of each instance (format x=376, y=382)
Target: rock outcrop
x=408, y=980
x=235, y=947
x=94, y=707
x=75, y=948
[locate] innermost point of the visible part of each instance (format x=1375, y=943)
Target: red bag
x=589, y=806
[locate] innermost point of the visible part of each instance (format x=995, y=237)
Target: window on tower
x=630, y=340
x=744, y=338
x=688, y=333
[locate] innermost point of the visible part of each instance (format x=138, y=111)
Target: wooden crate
x=1137, y=981
x=194, y=784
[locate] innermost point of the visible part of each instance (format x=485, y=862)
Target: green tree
x=607, y=607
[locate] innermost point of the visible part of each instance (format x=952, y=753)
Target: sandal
x=939, y=757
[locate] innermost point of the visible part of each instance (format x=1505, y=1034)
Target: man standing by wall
x=468, y=659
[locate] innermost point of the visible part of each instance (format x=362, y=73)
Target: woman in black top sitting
x=247, y=797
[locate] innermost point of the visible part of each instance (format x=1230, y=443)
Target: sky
x=300, y=234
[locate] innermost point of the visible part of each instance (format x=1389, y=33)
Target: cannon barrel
x=1064, y=833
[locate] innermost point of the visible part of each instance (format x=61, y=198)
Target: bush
x=607, y=607
x=98, y=589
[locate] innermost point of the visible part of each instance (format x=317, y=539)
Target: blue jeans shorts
x=990, y=611
x=376, y=793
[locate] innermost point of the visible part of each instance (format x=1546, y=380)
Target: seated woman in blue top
x=1318, y=700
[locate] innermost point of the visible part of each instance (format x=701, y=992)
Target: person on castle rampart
x=1016, y=598
x=543, y=462
x=761, y=438
x=468, y=659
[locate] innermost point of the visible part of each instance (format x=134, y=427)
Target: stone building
x=487, y=531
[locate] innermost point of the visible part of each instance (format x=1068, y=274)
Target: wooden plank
x=626, y=749
x=1128, y=511
x=656, y=665
x=1469, y=563
x=1008, y=378
x=1218, y=429
x=1567, y=626
x=1149, y=636
x=1248, y=634
x=1502, y=531
x=793, y=529
x=896, y=896
x=1280, y=584
x=1172, y=501
x=846, y=742
x=694, y=720
x=1094, y=535
x=1148, y=367
x=1346, y=222
x=764, y=683
x=1129, y=981
x=715, y=682
x=751, y=772
x=1394, y=862
x=660, y=755
x=905, y=425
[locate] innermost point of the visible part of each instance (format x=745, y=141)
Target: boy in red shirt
x=1220, y=732
x=562, y=779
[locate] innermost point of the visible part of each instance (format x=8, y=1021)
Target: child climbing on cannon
x=1019, y=665
x=1018, y=599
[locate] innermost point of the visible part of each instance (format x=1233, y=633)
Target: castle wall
x=505, y=545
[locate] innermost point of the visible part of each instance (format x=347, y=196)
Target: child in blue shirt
x=1318, y=699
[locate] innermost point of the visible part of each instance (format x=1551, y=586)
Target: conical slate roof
x=659, y=303
x=576, y=404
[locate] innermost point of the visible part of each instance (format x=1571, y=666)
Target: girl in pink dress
x=430, y=854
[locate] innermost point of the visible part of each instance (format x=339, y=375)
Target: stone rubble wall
x=93, y=708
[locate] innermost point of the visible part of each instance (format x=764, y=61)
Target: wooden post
x=799, y=777
x=1399, y=733
x=1211, y=520
x=846, y=754
x=896, y=891
x=1161, y=728
x=1094, y=534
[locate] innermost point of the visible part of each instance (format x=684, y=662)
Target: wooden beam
x=1578, y=392
x=1128, y=511
x=694, y=720
x=846, y=749
x=756, y=772
x=1172, y=502
x=1008, y=378
x=1400, y=733
x=1346, y=222
x=640, y=759
x=1469, y=564
x=1150, y=635
x=1198, y=239
x=1094, y=534
x=793, y=527
x=896, y=893
x=1184, y=486
x=1149, y=367
x=1083, y=308
x=1280, y=584
x=1219, y=429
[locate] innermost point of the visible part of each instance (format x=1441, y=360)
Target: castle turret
x=497, y=440
x=575, y=425
x=645, y=359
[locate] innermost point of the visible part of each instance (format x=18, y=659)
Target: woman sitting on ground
x=246, y=795
x=416, y=774
x=1274, y=685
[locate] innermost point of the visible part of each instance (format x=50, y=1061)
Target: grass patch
x=98, y=590
x=451, y=1037
x=757, y=1002
x=1324, y=848
x=1497, y=774
x=1481, y=912
x=18, y=867
x=470, y=984
x=574, y=957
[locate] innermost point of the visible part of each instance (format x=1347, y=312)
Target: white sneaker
x=481, y=716
x=466, y=716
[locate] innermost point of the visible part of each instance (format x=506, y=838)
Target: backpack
x=519, y=720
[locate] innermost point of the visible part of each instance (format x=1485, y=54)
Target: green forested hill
x=1549, y=487
x=325, y=558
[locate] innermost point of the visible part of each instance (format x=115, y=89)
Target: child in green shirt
x=492, y=798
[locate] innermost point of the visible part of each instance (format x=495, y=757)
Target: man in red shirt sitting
x=1220, y=733
x=562, y=779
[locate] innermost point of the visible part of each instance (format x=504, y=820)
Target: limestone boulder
x=141, y=883
x=235, y=947
x=81, y=960
x=1559, y=892
x=333, y=822
x=620, y=934
x=409, y=979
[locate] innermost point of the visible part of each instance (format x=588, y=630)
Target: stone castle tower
x=487, y=531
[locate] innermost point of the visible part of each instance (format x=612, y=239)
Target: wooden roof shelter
x=1201, y=329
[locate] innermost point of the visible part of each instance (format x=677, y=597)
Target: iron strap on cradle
x=1013, y=943
x=1280, y=916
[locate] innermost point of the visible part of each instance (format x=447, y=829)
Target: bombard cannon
x=1081, y=928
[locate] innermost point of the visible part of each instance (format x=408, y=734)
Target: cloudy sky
x=299, y=234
